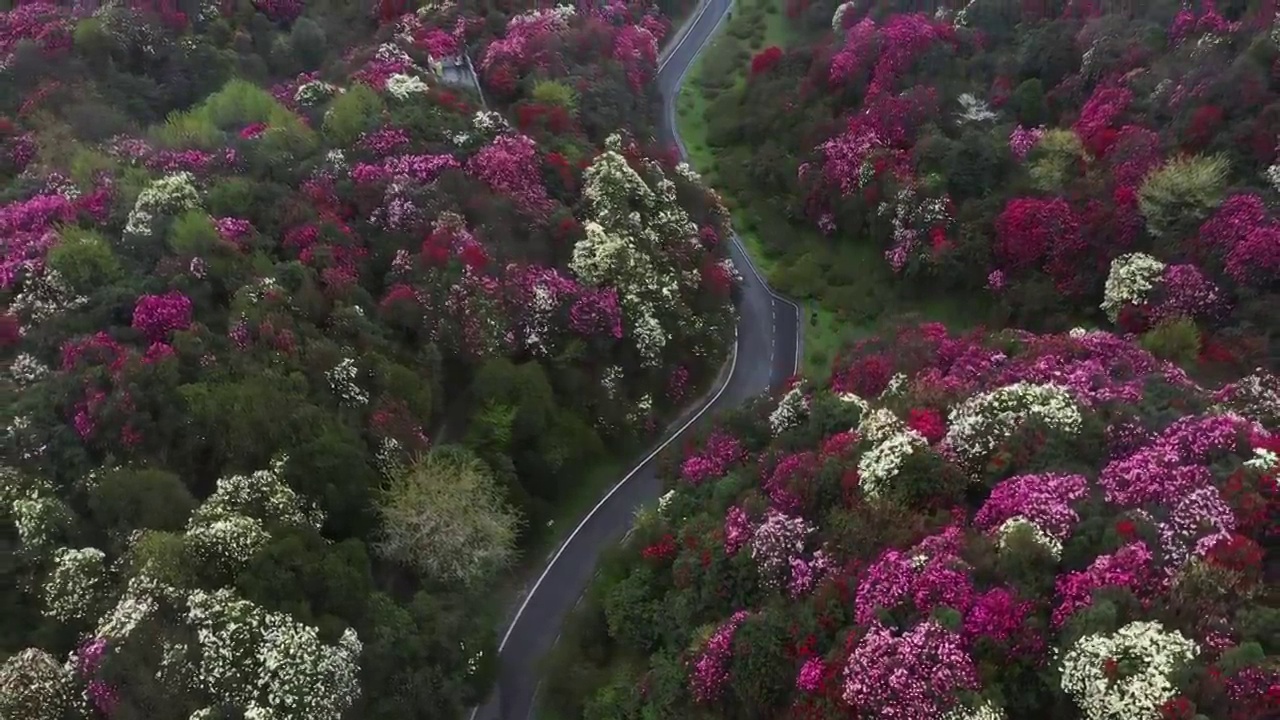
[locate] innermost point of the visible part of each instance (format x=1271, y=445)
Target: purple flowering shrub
x=1119, y=507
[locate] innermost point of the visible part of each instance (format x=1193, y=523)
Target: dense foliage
x=1070, y=162
x=302, y=339
x=978, y=526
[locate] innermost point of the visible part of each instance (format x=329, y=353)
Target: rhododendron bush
x=574, y=70
x=1078, y=530
x=296, y=365
x=1016, y=155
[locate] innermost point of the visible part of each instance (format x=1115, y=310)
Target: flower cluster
x=918, y=674
x=1022, y=140
x=879, y=465
x=168, y=196
x=342, y=381
x=1125, y=674
x=510, y=165
x=791, y=411
x=776, y=541
x=981, y=423
x=709, y=672
x=75, y=584
x=156, y=316
x=1042, y=501
x=35, y=686
x=269, y=663
x=719, y=453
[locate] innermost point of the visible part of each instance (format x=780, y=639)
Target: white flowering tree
x=982, y=422
x=263, y=495
x=634, y=236
x=1130, y=281
x=446, y=518
x=234, y=523
x=269, y=664
x=1149, y=656
x=76, y=584
x=167, y=196
x=35, y=509
x=35, y=686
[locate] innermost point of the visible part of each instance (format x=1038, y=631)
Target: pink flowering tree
x=157, y=316
x=511, y=165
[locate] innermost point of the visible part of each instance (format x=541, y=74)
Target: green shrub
x=84, y=259
x=310, y=44
x=1029, y=103
x=721, y=64
x=1175, y=339
x=352, y=113
x=85, y=164
x=92, y=40
x=193, y=233
x=552, y=92
x=1180, y=195
x=239, y=103
x=1054, y=160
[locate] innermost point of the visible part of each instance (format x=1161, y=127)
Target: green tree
x=762, y=675
x=1029, y=104
x=434, y=654
x=125, y=499
x=352, y=113
x=85, y=259
x=1179, y=196
x=554, y=92
x=318, y=582
x=309, y=43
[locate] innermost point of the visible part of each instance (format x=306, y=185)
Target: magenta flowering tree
x=519, y=47
x=1029, y=227
x=511, y=165
x=718, y=454
x=46, y=24
x=1100, y=112
x=1246, y=237
x=1022, y=140
x=1045, y=500
x=156, y=316
x=596, y=313
x=27, y=232
x=918, y=674
x=281, y=11
x=710, y=670
x=636, y=47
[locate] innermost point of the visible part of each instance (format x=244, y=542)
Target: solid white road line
x=733, y=365
x=534, y=705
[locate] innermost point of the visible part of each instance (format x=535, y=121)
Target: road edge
x=670, y=110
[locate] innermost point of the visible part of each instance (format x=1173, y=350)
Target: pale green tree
x=446, y=518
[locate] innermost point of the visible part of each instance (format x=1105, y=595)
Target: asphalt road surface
x=767, y=355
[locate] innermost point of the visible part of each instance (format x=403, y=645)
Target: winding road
x=766, y=355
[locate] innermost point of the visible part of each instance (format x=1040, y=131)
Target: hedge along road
x=766, y=355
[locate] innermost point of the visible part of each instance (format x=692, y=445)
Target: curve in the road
x=767, y=323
